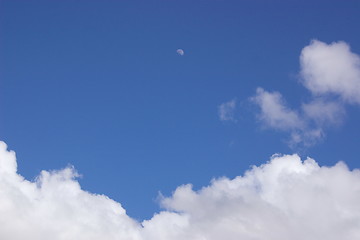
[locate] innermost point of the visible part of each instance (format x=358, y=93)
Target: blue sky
x=99, y=85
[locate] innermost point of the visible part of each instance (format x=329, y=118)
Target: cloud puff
x=226, y=111
x=331, y=69
x=274, y=112
x=285, y=198
x=331, y=72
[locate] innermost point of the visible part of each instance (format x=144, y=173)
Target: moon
x=180, y=52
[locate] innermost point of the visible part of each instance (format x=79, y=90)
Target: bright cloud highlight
x=285, y=198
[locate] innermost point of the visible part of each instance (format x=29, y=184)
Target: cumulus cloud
x=55, y=207
x=331, y=69
x=226, y=111
x=331, y=72
x=285, y=198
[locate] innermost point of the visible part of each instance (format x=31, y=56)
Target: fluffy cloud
x=331, y=72
x=55, y=207
x=331, y=69
x=285, y=198
x=226, y=111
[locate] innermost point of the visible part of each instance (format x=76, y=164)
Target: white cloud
x=274, y=112
x=226, y=111
x=283, y=199
x=286, y=198
x=331, y=68
x=332, y=74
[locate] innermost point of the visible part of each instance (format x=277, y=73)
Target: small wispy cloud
x=274, y=113
x=324, y=112
x=331, y=72
x=226, y=111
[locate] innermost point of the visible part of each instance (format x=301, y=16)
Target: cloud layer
x=285, y=198
x=331, y=72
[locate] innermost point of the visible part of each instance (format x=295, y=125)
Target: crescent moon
x=180, y=52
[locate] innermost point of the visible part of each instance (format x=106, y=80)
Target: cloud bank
x=285, y=198
x=331, y=72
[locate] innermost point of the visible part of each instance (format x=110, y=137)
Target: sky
x=134, y=100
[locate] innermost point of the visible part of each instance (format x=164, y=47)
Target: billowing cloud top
x=286, y=198
x=55, y=207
